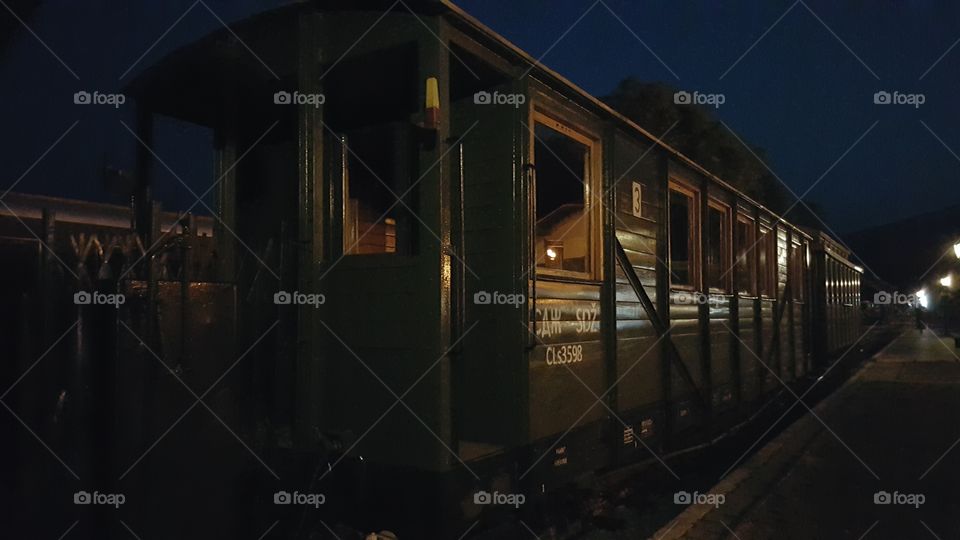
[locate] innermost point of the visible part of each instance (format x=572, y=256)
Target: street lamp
x=956, y=249
x=947, y=281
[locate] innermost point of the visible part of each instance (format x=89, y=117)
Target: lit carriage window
x=718, y=246
x=375, y=119
x=746, y=257
x=563, y=168
x=373, y=219
x=683, y=236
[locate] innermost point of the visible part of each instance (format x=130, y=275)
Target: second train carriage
x=521, y=285
x=835, y=297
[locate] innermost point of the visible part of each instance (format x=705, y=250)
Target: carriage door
x=486, y=122
x=566, y=361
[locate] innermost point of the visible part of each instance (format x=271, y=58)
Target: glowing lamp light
x=554, y=253
x=922, y=298
x=956, y=249
x=947, y=280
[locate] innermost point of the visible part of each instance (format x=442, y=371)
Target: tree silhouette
x=700, y=136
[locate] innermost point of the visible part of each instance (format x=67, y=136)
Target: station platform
x=879, y=458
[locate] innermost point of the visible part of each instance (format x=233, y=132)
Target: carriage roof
x=215, y=54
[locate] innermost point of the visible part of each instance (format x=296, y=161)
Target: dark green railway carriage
x=521, y=285
x=836, y=306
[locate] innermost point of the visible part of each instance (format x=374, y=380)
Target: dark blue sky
x=799, y=93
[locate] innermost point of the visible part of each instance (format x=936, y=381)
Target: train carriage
x=520, y=285
x=836, y=312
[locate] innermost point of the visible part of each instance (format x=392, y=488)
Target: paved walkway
x=891, y=434
x=914, y=346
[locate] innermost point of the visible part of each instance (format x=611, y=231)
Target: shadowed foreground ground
x=890, y=434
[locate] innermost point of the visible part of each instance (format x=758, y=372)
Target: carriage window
x=373, y=218
x=683, y=236
x=847, y=286
x=797, y=260
x=381, y=159
x=831, y=282
x=838, y=284
x=746, y=257
x=766, y=250
x=718, y=247
x=843, y=285
x=776, y=258
x=563, y=167
x=855, y=288
x=850, y=298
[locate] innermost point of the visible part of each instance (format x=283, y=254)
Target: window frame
x=552, y=119
x=694, y=269
x=406, y=242
x=726, y=247
x=750, y=254
x=796, y=261
x=828, y=278
x=767, y=277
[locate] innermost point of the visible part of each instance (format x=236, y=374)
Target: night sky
x=804, y=92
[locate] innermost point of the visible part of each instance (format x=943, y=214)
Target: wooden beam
x=703, y=285
x=662, y=330
x=310, y=231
